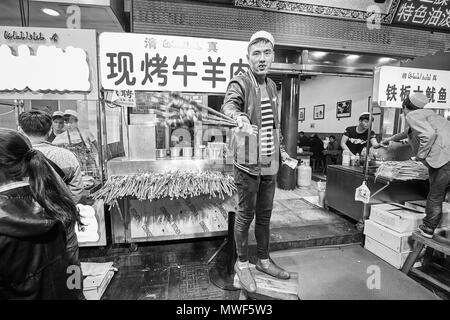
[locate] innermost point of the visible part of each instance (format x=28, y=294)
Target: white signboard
x=167, y=63
x=393, y=84
x=49, y=69
x=48, y=63
x=126, y=98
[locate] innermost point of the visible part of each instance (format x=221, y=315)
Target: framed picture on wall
x=319, y=112
x=301, y=114
x=344, y=109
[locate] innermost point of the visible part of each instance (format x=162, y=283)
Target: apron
x=84, y=155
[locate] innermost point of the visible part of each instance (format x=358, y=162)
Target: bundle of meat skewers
x=176, y=110
x=402, y=170
x=172, y=184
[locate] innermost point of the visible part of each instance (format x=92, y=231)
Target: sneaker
x=245, y=278
x=426, y=231
x=273, y=270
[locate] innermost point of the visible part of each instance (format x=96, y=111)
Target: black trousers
x=255, y=198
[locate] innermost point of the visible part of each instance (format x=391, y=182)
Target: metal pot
x=175, y=152
x=199, y=152
x=187, y=152
x=161, y=153
x=215, y=153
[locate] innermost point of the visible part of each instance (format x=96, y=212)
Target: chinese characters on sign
x=425, y=13
x=168, y=63
x=392, y=85
x=124, y=97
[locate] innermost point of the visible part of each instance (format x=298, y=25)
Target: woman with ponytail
x=36, y=214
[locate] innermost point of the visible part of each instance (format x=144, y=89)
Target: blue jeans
x=255, y=196
x=439, y=182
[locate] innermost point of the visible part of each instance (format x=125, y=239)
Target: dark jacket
x=33, y=263
x=243, y=97
x=316, y=147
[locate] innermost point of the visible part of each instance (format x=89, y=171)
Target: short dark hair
x=408, y=104
x=301, y=132
x=364, y=117
x=35, y=123
x=332, y=136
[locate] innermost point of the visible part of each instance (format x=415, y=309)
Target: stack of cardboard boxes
x=388, y=232
x=390, y=226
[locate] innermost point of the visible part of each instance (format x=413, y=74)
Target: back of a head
x=19, y=160
x=35, y=123
x=415, y=101
x=13, y=148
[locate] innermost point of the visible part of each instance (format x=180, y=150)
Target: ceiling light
x=384, y=60
x=319, y=54
x=50, y=12
x=352, y=57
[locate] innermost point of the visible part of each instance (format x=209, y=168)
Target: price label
x=126, y=98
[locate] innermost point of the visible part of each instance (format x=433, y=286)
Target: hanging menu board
x=430, y=14
x=392, y=85
x=147, y=62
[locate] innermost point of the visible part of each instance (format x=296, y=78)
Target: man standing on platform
x=429, y=137
x=251, y=99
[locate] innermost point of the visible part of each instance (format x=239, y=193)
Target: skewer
x=177, y=96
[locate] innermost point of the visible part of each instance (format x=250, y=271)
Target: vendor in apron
x=82, y=144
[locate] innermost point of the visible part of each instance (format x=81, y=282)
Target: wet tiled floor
x=180, y=270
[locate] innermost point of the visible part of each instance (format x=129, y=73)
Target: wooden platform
x=419, y=243
x=270, y=288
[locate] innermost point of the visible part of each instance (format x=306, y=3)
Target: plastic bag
x=292, y=163
x=362, y=193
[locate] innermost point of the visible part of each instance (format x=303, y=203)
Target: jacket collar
x=253, y=78
x=21, y=216
x=13, y=185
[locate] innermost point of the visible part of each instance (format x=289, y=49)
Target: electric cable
x=3, y=114
x=21, y=13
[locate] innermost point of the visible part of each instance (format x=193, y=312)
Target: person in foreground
x=36, y=126
x=35, y=208
x=251, y=99
x=429, y=137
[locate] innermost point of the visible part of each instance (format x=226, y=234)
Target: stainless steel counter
x=342, y=182
x=125, y=166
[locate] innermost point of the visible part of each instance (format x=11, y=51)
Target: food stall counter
x=342, y=182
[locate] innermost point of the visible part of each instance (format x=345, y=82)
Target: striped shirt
x=267, y=122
